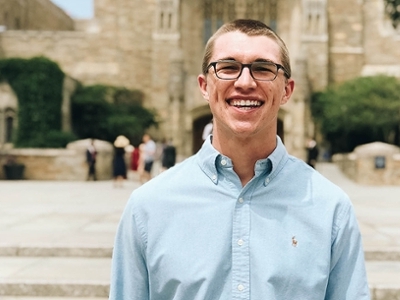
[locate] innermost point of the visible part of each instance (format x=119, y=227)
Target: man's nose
x=245, y=78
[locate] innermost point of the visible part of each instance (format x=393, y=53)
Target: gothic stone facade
x=157, y=46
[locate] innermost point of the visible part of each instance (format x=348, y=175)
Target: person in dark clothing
x=119, y=164
x=312, y=153
x=91, y=154
x=168, y=156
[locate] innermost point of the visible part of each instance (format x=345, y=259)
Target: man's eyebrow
x=256, y=60
x=227, y=58
x=264, y=60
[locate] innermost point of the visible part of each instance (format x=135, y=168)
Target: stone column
x=176, y=127
x=69, y=87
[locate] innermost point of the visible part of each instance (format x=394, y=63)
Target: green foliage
x=104, y=112
x=38, y=84
x=392, y=8
x=359, y=111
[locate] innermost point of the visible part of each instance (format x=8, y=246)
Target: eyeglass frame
x=278, y=67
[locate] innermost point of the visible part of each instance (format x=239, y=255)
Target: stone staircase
x=52, y=273
x=32, y=273
x=383, y=271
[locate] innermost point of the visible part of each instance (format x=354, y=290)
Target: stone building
x=157, y=45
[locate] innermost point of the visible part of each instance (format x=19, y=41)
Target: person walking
x=149, y=149
x=240, y=219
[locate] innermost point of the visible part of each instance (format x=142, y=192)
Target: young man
x=149, y=152
x=241, y=219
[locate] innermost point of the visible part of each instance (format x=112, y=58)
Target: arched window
x=9, y=125
x=9, y=129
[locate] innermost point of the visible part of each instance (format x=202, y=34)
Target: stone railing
x=372, y=164
x=60, y=164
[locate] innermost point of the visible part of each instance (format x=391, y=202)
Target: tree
x=359, y=111
x=38, y=84
x=104, y=112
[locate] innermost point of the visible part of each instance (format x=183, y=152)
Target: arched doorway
x=198, y=127
x=200, y=123
x=280, y=130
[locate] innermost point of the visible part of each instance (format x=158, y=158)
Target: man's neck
x=244, y=152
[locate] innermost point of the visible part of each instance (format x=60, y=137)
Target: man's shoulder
x=308, y=177
x=178, y=173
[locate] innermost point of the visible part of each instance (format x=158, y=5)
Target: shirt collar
x=209, y=158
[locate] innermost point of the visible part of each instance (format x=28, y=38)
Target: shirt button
x=240, y=287
x=240, y=242
x=267, y=180
x=214, y=177
x=223, y=162
x=241, y=200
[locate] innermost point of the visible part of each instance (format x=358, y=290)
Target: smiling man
x=241, y=219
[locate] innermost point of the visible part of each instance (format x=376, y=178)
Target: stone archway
x=198, y=127
x=280, y=130
x=199, y=124
x=8, y=113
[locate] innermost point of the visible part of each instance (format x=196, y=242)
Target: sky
x=77, y=9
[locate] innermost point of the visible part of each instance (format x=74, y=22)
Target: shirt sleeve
x=128, y=273
x=347, y=280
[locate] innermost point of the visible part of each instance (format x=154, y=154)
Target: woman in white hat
x=119, y=164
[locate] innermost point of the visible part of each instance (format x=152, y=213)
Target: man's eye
x=263, y=68
x=228, y=67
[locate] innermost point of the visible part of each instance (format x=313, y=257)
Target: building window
x=167, y=14
x=216, y=13
x=9, y=129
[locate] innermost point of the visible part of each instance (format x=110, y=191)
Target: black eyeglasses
x=259, y=70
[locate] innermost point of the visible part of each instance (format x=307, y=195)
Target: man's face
x=245, y=107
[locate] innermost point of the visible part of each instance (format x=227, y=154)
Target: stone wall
x=382, y=55
x=126, y=44
x=33, y=15
x=371, y=164
x=61, y=164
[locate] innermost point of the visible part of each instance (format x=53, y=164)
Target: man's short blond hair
x=251, y=28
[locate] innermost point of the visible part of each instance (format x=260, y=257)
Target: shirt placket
x=240, y=249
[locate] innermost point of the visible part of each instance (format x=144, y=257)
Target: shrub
x=104, y=112
x=38, y=84
x=359, y=111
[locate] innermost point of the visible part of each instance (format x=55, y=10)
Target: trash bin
x=14, y=171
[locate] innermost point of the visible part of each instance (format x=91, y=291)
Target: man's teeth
x=245, y=103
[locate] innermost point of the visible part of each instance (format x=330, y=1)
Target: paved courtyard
x=56, y=237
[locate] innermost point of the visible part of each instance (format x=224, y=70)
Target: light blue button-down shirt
x=194, y=232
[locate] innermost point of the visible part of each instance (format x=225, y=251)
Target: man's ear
x=288, y=91
x=202, y=81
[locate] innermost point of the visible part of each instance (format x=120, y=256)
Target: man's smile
x=245, y=104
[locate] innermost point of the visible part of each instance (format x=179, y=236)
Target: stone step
x=56, y=251
x=83, y=277
x=384, y=279
x=387, y=254
x=54, y=276
x=50, y=298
